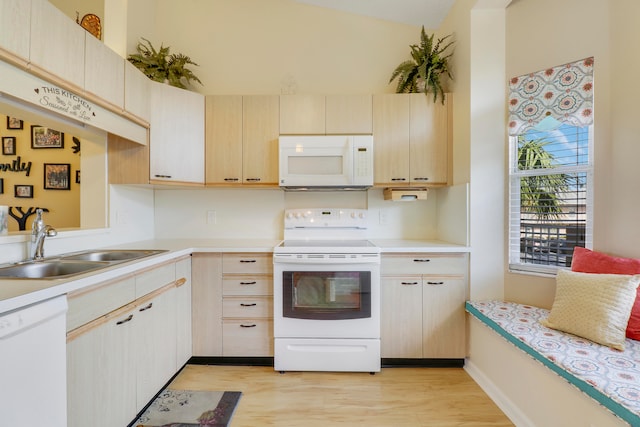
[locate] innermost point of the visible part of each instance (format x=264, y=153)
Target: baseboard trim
x=388, y=362
x=231, y=361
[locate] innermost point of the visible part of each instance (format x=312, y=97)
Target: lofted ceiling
x=429, y=13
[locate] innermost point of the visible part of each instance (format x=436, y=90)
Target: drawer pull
x=247, y=260
x=248, y=283
x=409, y=283
x=419, y=178
x=232, y=179
x=147, y=307
x=162, y=176
x=398, y=179
x=128, y=319
x=248, y=326
x=242, y=304
x=435, y=283
x=421, y=260
x=253, y=179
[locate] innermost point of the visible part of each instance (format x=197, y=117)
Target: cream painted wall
x=575, y=29
x=82, y=7
x=270, y=46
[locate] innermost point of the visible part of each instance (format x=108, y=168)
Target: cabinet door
x=401, y=311
x=15, y=25
x=391, y=114
x=184, y=340
x=443, y=316
x=137, y=89
x=155, y=345
x=349, y=114
x=206, y=300
x=101, y=374
x=223, y=139
x=429, y=140
x=260, y=132
x=177, y=135
x=57, y=43
x=103, y=71
x=302, y=114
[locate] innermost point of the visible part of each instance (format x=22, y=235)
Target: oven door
x=327, y=300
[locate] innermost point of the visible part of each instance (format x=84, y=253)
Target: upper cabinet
x=242, y=140
x=325, y=115
x=57, y=44
x=15, y=27
x=137, y=90
x=412, y=137
x=176, y=147
x=103, y=72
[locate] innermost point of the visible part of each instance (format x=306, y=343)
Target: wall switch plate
x=383, y=218
x=211, y=217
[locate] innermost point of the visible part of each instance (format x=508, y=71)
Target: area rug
x=187, y=408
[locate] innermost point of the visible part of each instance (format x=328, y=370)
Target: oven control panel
x=325, y=218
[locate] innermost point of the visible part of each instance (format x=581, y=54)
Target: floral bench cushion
x=609, y=376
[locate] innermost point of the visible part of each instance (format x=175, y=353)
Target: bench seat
x=608, y=376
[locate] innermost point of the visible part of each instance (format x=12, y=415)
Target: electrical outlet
x=122, y=217
x=383, y=218
x=211, y=217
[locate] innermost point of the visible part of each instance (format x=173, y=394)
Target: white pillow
x=593, y=306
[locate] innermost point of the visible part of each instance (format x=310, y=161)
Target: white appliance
x=326, y=293
x=33, y=364
x=326, y=162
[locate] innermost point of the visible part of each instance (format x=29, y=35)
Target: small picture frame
x=57, y=176
x=77, y=177
x=13, y=123
x=44, y=137
x=9, y=145
x=1, y=185
x=23, y=191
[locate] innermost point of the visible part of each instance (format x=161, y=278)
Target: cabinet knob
x=247, y=260
x=421, y=260
x=435, y=283
x=147, y=307
x=248, y=283
x=249, y=326
x=128, y=319
x=242, y=304
x=409, y=283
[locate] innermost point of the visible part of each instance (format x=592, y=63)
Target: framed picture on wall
x=1, y=185
x=57, y=176
x=23, y=191
x=43, y=137
x=9, y=145
x=13, y=123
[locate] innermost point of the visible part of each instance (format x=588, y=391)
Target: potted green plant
x=423, y=72
x=161, y=66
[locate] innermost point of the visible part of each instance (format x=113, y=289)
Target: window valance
x=563, y=93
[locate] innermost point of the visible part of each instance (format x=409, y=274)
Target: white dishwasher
x=33, y=367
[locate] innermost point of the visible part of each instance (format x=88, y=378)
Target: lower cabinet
x=119, y=360
x=233, y=305
x=423, y=298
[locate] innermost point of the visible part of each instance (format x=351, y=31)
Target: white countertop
x=18, y=293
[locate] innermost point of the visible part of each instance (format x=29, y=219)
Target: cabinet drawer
x=247, y=338
x=247, y=307
x=155, y=279
x=86, y=306
x=423, y=263
x=247, y=263
x=247, y=285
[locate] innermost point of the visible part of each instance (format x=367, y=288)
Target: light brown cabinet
x=325, y=114
x=412, y=137
x=232, y=305
x=242, y=140
x=422, y=310
x=124, y=341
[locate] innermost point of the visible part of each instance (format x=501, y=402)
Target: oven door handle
x=291, y=259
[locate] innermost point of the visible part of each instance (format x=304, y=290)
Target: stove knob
x=353, y=214
x=298, y=215
x=361, y=215
x=289, y=215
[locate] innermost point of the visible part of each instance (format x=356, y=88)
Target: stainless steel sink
x=73, y=264
x=109, y=255
x=49, y=269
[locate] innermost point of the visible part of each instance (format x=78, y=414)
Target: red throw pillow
x=588, y=261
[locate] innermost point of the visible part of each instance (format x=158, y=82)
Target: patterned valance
x=564, y=93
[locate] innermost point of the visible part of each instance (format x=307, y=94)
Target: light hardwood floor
x=395, y=397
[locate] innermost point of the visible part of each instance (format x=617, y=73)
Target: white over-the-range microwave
x=317, y=162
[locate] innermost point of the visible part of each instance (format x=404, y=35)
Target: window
x=550, y=166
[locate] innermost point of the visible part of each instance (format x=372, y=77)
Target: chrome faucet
x=40, y=230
